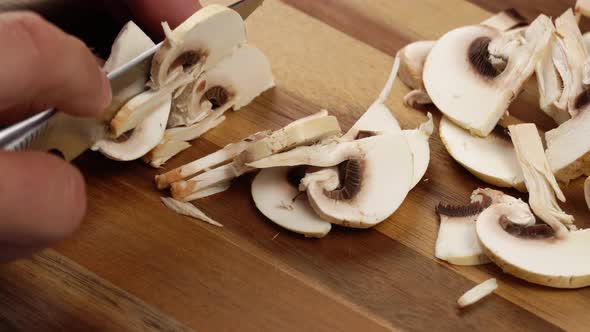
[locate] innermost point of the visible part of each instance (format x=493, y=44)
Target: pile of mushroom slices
x=472, y=74
x=204, y=68
x=311, y=175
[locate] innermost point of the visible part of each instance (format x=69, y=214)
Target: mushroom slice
x=491, y=159
x=374, y=181
x=304, y=131
x=477, y=293
x=550, y=86
x=506, y=20
x=198, y=43
x=226, y=154
x=570, y=55
x=159, y=155
x=142, y=139
x=189, y=210
x=534, y=253
x=129, y=44
x=457, y=241
x=568, y=149
x=276, y=195
x=416, y=98
x=582, y=8
x=465, y=86
x=539, y=179
x=412, y=58
x=233, y=83
x=587, y=191
x=586, y=38
x=418, y=142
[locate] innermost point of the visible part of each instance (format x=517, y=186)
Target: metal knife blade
x=71, y=136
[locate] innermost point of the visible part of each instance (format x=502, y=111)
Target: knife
x=70, y=136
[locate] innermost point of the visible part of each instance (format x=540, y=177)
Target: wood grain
x=252, y=275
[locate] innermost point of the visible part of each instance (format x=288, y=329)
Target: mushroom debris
x=477, y=293
x=312, y=176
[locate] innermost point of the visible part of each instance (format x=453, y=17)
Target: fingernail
x=107, y=94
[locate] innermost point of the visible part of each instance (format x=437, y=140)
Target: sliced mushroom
x=569, y=56
x=492, y=159
x=506, y=20
x=538, y=177
x=582, y=9
x=159, y=155
x=587, y=191
x=418, y=143
x=304, y=131
x=586, y=38
x=568, y=147
x=412, y=58
x=233, y=83
x=534, y=253
x=276, y=195
x=375, y=173
x=457, y=241
x=142, y=139
x=224, y=155
x=130, y=43
x=189, y=210
x=550, y=87
x=198, y=43
x=477, y=293
x=466, y=87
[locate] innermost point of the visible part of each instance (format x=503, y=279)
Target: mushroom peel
x=375, y=176
x=569, y=57
x=465, y=86
x=144, y=137
x=232, y=83
x=198, y=43
x=491, y=159
x=280, y=201
x=457, y=241
x=568, y=149
x=304, y=131
x=534, y=253
x=539, y=179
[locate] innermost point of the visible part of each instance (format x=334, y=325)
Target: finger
x=150, y=14
x=42, y=67
x=42, y=199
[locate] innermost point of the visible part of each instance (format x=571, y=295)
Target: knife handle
x=18, y=136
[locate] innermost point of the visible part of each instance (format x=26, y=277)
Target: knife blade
x=70, y=136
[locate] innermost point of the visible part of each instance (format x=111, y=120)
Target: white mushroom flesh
x=189, y=210
x=420, y=147
x=477, y=293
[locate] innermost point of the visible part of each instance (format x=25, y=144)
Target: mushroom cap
x=555, y=262
x=383, y=178
x=207, y=36
x=276, y=198
x=492, y=159
x=146, y=136
x=412, y=58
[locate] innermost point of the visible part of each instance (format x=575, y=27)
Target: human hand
x=42, y=198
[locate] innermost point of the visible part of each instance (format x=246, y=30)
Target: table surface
x=133, y=265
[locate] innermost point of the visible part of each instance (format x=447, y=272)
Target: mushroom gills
x=550, y=260
x=538, y=177
x=197, y=44
x=477, y=96
x=233, y=83
x=491, y=159
x=282, y=202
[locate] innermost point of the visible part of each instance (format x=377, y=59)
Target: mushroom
x=568, y=149
x=232, y=83
x=535, y=252
x=197, y=44
x=505, y=20
x=375, y=174
x=477, y=293
x=412, y=58
x=276, y=195
x=492, y=159
x=586, y=38
x=189, y=210
x=457, y=241
x=304, y=131
x=129, y=43
x=418, y=143
x=142, y=139
x=465, y=86
x=550, y=87
x=569, y=56
x=539, y=179
x=173, y=140
x=582, y=8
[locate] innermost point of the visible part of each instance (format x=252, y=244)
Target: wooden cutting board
x=134, y=265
